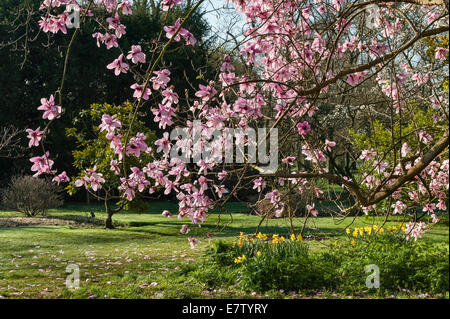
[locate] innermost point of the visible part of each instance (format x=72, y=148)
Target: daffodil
x=238, y=260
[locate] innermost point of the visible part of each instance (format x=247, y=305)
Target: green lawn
x=124, y=262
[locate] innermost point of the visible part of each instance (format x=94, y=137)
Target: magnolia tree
x=257, y=125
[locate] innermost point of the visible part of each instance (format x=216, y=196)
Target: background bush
x=31, y=196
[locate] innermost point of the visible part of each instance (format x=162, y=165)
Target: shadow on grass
x=222, y=231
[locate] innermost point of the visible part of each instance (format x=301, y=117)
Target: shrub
x=280, y=263
x=262, y=263
x=417, y=266
x=31, y=196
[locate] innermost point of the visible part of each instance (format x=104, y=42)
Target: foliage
x=93, y=148
x=381, y=135
x=262, y=263
x=416, y=266
x=31, y=196
x=433, y=43
x=266, y=263
x=393, y=142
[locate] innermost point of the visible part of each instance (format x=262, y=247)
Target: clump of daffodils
x=374, y=229
x=274, y=238
x=239, y=260
x=277, y=239
x=258, y=247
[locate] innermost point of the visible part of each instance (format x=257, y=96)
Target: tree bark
x=109, y=214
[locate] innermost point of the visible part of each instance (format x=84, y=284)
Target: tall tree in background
x=32, y=63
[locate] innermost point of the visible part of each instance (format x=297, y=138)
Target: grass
x=124, y=262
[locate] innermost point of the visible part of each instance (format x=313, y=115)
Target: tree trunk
x=109, y=214
x=108, y=221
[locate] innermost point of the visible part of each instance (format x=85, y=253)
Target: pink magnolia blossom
x=206, y=92
x=113, y=22
x=118, y=66
x=125, y=7
x=61, y=178
x=434, y=219
x=166, y=213
x=136, y=55
x=168, y=4
x=34, y=136
x=356, y=78
x=170, y=30
x=91, y=179
x=259, y=184
x=184, y=229
x=329, y=145
x=51, y=110
x=220, y=190
x=188, y=37
x=441, y=53
x=110, y=5
x=415, y=230
x=222, y=175
x=127, y=187
x=41, y=164
x=399, y=206
x=110, y=41
x=139, y=91
x=54, y=24
x=163, y=143
x=170, y=97
x=163, y=115
x=161, y=79
x=424, y=137
x=367, y=155
x=312, y=210
x=109, y=123
x=100, y=38
x=303, y=128
x=136, y=145
x=193, y=242
x=289, y=160
x=115, y=167
x=274, y=196
x=429, y=208
x=226, y=65
x=405, y=149
x=441, y=205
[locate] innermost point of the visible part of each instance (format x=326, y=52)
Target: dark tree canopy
x=32, y=64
